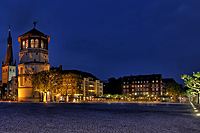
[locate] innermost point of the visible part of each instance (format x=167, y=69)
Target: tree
x=175, y=89
x=71, y=84
x=46, y=81
x=193, y=83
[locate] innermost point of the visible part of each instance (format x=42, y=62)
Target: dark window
x=34, y=59
x=10, y=69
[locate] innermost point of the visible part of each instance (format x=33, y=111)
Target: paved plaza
x=98, y=117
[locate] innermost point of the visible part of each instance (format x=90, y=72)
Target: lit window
x=26, y=43
x=156, y=89
x=36, y=43
x=132, y=89
x=132, y=82
x=124, y=82
x=124, y=90
x=152, y=81
x=147, y=93
x=135, y=81
x=156, y=81
x=147, y=81
x=140, y=89
x=32, y=43
x=140, y=85
x=138, y=81
x=144, y=81
x=132, y=86
x=147, y=89
x=153, y=93
x=141, y=81
x=152, y=89
x=135, y=93
x=42, y=44
x=127, y=86
x=127, y=82
x=152, y=85
x=127, y=90
x=124, y=86
x=135, y=85
x=143, y=89
x=143, y=85
x=23, y=43
x=156, y=93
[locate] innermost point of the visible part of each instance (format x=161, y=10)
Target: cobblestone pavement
x=98, y=117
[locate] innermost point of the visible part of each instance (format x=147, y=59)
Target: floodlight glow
x=198, y=114
x=195, y=110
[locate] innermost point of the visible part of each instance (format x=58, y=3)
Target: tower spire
x=9, y=53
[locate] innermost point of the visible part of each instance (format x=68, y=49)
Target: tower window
x=42, y=44
x=36, y=43
x=32, y=43
x=27, y=43
x=23, y=43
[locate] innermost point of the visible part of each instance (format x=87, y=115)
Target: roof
x=83, y=74
x=34, y=32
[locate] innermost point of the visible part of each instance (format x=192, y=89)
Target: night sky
x=110, y=38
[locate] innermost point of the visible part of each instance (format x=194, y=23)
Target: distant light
x=198, y=114
x=195, y=110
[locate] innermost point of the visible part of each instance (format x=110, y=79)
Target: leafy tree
x=193, y=83
x=71, y=84
x=46, y=81
x=114, y=86
x=175, y=89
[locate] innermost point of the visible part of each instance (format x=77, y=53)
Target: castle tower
x=33, y=58
x=8, y=67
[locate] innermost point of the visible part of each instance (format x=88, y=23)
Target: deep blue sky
x=111, y=38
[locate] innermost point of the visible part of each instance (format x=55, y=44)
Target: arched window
x=32, y=43
x=42, y=44
x=26, y=43
x=23, y=43
x=36, y=43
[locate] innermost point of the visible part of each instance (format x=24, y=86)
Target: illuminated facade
x=33, y=58
x=143, y=85
x=90, y=85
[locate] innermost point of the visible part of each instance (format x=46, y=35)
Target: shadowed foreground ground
x=98, y=117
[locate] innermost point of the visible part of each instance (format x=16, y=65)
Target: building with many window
x=143, y=85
